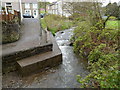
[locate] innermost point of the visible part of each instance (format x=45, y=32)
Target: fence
x=9, y=17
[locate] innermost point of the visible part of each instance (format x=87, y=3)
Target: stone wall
x=10, y=32
x=9, y=61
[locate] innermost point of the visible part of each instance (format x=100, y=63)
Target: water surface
x=62, y=76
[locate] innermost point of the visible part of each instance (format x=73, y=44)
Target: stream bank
x=62, y=76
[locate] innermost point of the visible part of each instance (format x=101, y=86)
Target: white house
x=12, y=5
x=23, y=6
x=30, y=7
x=57, y=8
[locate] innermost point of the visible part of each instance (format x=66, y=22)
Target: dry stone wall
x=10, y=32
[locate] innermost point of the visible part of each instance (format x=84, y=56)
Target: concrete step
x=39, y=62
x=44, y=37
x=9, y=59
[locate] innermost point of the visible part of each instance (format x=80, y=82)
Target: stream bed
x=62, y=76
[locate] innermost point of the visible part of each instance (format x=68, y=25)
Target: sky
x=105, y=2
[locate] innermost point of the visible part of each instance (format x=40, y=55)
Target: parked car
x=42, y=15
x=104, y=17
x=28, y=16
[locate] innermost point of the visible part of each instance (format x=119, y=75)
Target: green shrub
x=99, y=48
x=112, y=18
x=55, y=23
x=104, y=68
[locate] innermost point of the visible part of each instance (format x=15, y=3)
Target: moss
x=10, y=33
x=10, y=38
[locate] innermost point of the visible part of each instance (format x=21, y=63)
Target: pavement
x=30, y=37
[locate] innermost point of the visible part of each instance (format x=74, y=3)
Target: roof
x=10, y=1
x=29, y=1
x=53, y=3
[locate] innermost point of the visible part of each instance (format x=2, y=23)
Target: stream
x=62, y=76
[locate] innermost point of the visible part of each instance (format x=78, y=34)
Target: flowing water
x=62, y=76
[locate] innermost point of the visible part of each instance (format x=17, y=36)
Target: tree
x=112, y=9
x=92, y=10
x=43, y=5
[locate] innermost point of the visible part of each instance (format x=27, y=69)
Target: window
x=8, y=4
x=27, y=5
x=34, y=12
x=9, y=8
x=34, y=5
x=28, y=12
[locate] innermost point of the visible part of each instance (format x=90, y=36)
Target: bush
x=76, y=18
x=99, y=48
x=55, y=23
x=103, y=65
x=112, y=18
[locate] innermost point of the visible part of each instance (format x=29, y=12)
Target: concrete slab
x=30, y=43
x=30, y=37
x=40, y=62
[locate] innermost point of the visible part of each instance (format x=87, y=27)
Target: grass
x=55, y=23
x=43, y=23
x=113, y=24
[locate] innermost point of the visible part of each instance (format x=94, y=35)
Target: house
x=23, y=6
x=53, y=8
x=30, y=7
x=57, y=8
x=11, y=5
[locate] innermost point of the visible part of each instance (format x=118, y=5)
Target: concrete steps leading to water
x=35, y=59
x=35, y=50
x=9, y=59
x=39, y=62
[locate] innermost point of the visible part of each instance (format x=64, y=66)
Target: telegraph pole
x=109, y=1
x=39, y=11
x=62, y=7
x=45, y=7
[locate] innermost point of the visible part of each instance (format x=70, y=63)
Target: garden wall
x=10, y=32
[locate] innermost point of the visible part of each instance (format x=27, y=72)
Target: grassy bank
x=113, y=24
x=100, y=48
x=55, y=23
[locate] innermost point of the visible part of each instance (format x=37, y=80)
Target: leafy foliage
x=51, y=23
x=43, y=4
x=99, y=48
x=113, y=10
